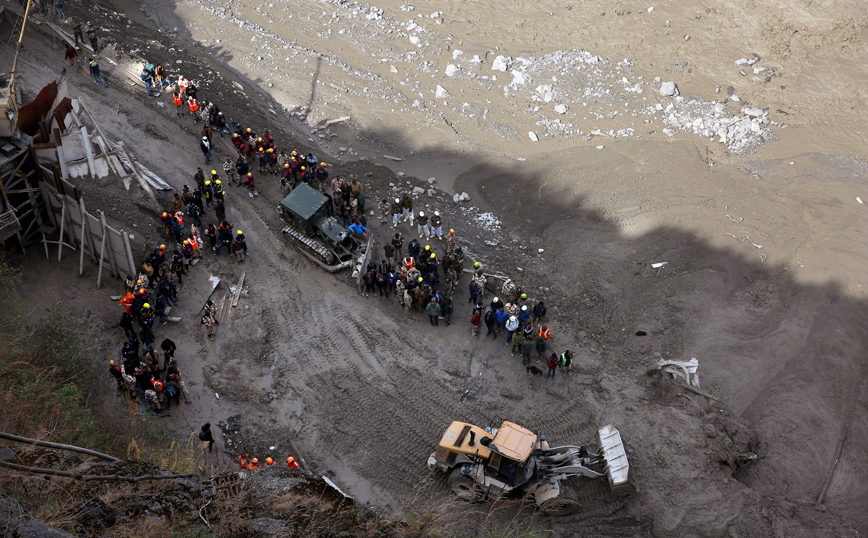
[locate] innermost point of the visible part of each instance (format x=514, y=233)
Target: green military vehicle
x=320, y=237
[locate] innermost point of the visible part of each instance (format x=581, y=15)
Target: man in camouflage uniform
x=509, y=292
x=451, y=279
x=385, y=210
x=229, y=168
x=450, y=241
x=209, y=318
x=153, y=401
x=511, y=309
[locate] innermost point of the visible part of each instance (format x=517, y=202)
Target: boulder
x=669, y=89
x=501, y=63
x=451, y=69
x=456, y=198
x=418, y=190
x=440, y=92
x=561, y=109
x=465, y=197
x=532, y=135
x=432, y=180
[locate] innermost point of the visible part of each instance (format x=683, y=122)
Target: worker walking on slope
x=95, y=73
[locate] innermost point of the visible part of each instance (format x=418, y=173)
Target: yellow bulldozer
x=487, y=463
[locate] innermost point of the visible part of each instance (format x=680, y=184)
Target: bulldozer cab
x=508, y=456
x=305, y=209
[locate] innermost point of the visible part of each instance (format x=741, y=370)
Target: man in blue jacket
x=500, y=316
x=359, y=230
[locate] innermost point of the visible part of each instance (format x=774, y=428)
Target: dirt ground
x=764, y=285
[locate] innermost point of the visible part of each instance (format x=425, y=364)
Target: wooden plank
x=101, y=251
x=62, y=225
x=129, y=253
x=238, y=291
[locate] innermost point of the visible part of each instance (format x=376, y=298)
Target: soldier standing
x=91, y=35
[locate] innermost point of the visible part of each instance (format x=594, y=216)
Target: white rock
x=465, y=197
x=411, y=26
x=753, y=112
x=501, y=63
x=393, y=69
x=518, y=79
x=600, y=147
x=532, y=135
x=440, y=92
x=651, y=10
x=735, y=98
x=456, y=54
x=742, y=62
x=451, y=70
x=456, y=198
x=758, y=70
x=670, y=132
x=541, y=251
x=414, y=39
x=432, y=193
x=432, y=180
x=668, y=89
x=561, y=109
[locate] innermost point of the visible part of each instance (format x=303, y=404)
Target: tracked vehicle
x=320, y=237
x=492, y=462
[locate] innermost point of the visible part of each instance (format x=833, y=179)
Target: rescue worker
x=385, y=210
x=145, y=75
x=238, y=249
x=207, y=437
x=209, y=318
x=205, y=146
x=208, y=193
x=397, y=208
x=539, y=312
x=407, y=206
x=95, y=73
x=76, y=31
x=153, y=401
x=291, y=463
x=242, y=169
x=193, y=104
x=271, y=161
x=91, y=35
x=450, y=241
x=553, y=366
x=322, y=173
x=251, y=186
x=437, y=225
x=566, y=361
x=422, y=225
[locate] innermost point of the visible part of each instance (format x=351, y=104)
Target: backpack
x=172, y=391
x=202, y=436
x=489, y=316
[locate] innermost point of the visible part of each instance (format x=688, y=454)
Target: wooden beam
x=129, y=253
x=101, y=250
x=71, y=448
x=63, y=205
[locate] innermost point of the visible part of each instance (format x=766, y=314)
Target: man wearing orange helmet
x=291, y=463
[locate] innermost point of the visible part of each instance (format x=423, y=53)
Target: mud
x=764, y=284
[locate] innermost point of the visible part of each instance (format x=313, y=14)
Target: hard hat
x=146, y=305
x=421, y=213
x=269, y=461
x=437, y=213
x=186, y=241
x=397, y=201
x=205, y=138
x=208, y=182
x=524, y=296
x=420, y=279
x=242, y=233
x=524, y=308
x=322, y=163
x=303, y=168
x=213, y=172
x=162, y=247
x=427, y=247
x=290, y=459
x=476, y=264
x=138, y=281
x=286, y=166
x=496, y=300
x=433, y=255
x=250, y=174
x=112, y=363
x=513, y=318
x=451, y=231
x=218, y=182
x=249, y=130
x=254, y=460
x=234, y=135
x=259, y=139
x=270, y=150
x=294, y=153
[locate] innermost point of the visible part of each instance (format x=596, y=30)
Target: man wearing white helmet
x=396, y=212
x=422, y=225
x=437, y=225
